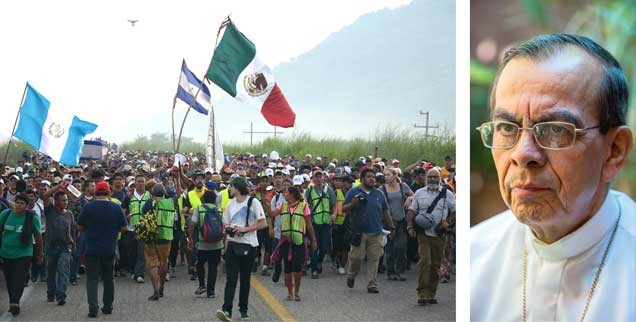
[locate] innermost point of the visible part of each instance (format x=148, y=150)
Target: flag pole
x=6, y=154
x=174, y=103
x=223, y=25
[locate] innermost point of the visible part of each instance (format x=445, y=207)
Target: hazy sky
x=85, y=57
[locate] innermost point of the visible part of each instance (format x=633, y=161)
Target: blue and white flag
x=188, y=87
x=52, y=131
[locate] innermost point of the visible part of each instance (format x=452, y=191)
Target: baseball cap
x=269, y=172
x=318, y=173
x=395, y=161
x=101, y=187
x=68, y=177
x=45, y=182
x=271, y=165
x=319, y=158
x=19, y=169
x=298, y=180
x=285, y=171
x=211, y=185
x=209, y=170
x=306, y=177
x=239, y=182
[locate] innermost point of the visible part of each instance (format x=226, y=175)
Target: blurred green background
x=496, y=25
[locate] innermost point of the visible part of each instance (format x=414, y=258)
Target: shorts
x=156, y=254
x=341, y=238
x=264, y=240
x=294, y=265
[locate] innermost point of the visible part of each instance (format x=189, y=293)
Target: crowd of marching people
x=137, y=214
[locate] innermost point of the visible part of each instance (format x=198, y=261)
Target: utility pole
x=252, y=132
x=426, y=127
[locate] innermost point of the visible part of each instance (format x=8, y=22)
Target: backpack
x=212, y=225
x=146, y=229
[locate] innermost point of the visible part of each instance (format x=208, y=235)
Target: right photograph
x=553, y=165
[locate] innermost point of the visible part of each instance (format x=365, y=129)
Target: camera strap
x=440, y=195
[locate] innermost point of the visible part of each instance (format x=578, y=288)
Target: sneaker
x=107, y=310
x=61, y=302
x=373, y=290
x=342, y=271
x=173, y=273
x=401, y=278
x=82, y=270
x=431, y=301
x=74, y=282
x=154, y=297
x=421, y=302
x=224, y=316
x=264, y=271
x=92, y=314
x=140, y=279
x=314, y=275
x=444, y=280
x=200, y=290
x=244, y=315
x=50, y=299
x=194, y=277
x=167, y=277
x=14, y=309
x=211, y=295
x=350, y=281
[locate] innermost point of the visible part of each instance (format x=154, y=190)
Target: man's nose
x=526, y=152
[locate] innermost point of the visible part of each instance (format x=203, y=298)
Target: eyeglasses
x=548, y=135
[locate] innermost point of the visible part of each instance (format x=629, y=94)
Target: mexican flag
x=236, y=69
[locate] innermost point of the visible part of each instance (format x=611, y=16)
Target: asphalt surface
x=324, y=299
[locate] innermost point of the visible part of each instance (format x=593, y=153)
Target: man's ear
x=620, y=142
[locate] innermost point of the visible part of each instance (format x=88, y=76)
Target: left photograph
x=287, y=161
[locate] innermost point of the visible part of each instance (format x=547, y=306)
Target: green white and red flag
x=237, y=69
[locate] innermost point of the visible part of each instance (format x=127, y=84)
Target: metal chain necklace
x=596, y=277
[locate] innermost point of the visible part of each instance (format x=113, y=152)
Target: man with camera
x=367, y=208
x=428, y=218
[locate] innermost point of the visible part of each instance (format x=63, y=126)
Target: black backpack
x=212, y=225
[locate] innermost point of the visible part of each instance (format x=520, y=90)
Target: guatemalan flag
x=188, y=87
x=52, y=131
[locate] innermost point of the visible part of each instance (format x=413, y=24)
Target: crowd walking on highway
x=137, y=214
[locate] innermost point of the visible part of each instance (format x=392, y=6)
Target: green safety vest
x=293, y=224
x=320, y=211
x=164, y=210
x=134, y=207
x=340, y=214
x=202, y=217
x=181, y=214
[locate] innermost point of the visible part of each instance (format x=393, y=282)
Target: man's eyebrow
x=501, y=114
x=560, y=116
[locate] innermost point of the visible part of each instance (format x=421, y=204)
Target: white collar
x=580, y=240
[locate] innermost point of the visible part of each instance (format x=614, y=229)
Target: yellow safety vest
x=225, y=199
x=135, y=205
x=340, y=214
x=293, y=224
x=194, y=198
x=321, y=212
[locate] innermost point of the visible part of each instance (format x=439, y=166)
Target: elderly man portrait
x=565, y=250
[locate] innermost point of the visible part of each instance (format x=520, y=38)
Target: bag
x=146, y=228
x=356, y=239
x=239, y=249
x=212, y=225
x=427, y=220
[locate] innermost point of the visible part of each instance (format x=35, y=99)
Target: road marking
x=278, y=307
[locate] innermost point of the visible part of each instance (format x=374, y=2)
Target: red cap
x=102, y=187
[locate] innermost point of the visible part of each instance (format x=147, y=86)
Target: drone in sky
x=133, y=22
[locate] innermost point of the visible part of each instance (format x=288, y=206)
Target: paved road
x=325, y=299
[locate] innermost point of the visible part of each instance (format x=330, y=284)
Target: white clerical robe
x=559, y=275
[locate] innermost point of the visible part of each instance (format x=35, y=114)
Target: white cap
x=19, y=169
x=285, y=171
x=298, y=180
x=274, y=155
x=68, y=177
x=269, y=172
x=271, y=165
x=332, y=165
x=306, y=177
x=127, y=167
x=52, y=170
x=264, y=155
x=318, y=158
x=46, y=182
x=307, y=155
x=208, y=169
x=25, y=176
x=290, y=167
x=14, y=177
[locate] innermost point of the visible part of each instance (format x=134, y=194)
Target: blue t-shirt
x=102, y=220
x=367, y=217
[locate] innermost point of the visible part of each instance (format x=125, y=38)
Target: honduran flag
x=236, y=68
x=50, y=130
x=189, y=87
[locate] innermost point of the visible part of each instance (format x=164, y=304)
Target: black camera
x=229, y=230
x=361, y=197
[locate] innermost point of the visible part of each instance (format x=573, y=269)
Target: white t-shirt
x=235, y=213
